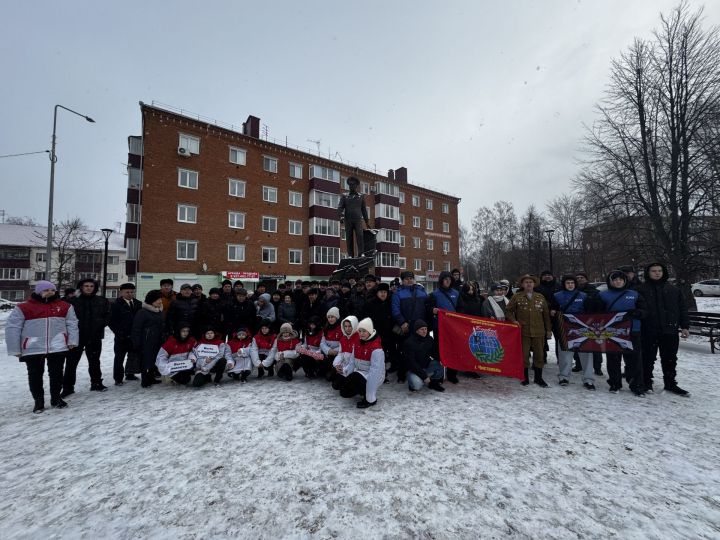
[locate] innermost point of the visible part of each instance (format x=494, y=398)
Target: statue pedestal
x=355, y=267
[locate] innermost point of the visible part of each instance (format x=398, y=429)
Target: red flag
x=482, y=345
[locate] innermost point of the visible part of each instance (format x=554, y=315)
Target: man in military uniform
x=353, y=212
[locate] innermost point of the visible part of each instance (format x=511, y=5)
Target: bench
x=706, y=324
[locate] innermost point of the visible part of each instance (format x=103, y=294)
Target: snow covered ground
x=486, y=459
x=708, y=303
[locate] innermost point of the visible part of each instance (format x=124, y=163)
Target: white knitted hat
x=367, y=324
x=335, y=312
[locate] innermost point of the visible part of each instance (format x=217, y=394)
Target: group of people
x=352, y=333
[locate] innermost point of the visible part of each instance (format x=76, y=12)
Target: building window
x=269, y=224
x=416, y=200
x=402, y=263
x=39, y=276
x=190, y=143
x=416, y=242
x=236, y=252
x=364, y=188
x=134, y=178
x=316, y=171
x=15, y=274
x=13, y=296
x=133, y=213
x=388, y=235
x=238, y=156
x=402, y=219
x=187, y=250
x=236, y=220
x=428, y=204
x=446, y=247
x=387, y=189
x=402, y=197
x=446, y=266
x=295, y=198
x=430, y=244
x=417, y=265
x=416, y=222
x=295, y=256
x=269, y=254
x=321, y=198
x=187, y=178
x=237, y=188
x=296, y=171
x=429, y=265
x=446, y=227
x=295, y=227
x=270, y=164
x=132, y=248
x=40, y=257
x=325, y=255
x=269, y=194
x=325, y=226
x=14, y=253
x=445, y=208
x=111, y=293
x=187, y=213
x=429, y=224
x=113, y=259
x=402, y=240
x=386, y=260
x=113, y=277
x=387, y=211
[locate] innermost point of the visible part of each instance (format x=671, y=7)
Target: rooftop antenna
x=265, y=131
x=317, y=142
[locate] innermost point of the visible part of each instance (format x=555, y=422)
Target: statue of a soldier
x=353, y=213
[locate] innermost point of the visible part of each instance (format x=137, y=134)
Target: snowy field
x=270, y=459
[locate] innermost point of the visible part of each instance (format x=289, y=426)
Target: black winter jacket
x=122, y=316
x=666, y=308
x=93, y=313
x=470, y=304
x=148, y=335
x=237, y=314
x=381, y=315
x=418, y=352
x=181, y=310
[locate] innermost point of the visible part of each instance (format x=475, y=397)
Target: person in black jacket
x=183, y=309
x=210, y=313
x=148, y=335
x=667, y=315
x=240, y=312
x=419, y=353
x=93, y=313
x=379, y=310
x=122, y=313
x=470, y=302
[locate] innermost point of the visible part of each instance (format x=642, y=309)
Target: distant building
x=23, y=254
x=206, y=202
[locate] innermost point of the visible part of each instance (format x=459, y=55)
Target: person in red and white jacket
x=211, y=356
x=241, y=349
x=343, y=362
x=312, y=359
x=176, y=358
x=284, y=352
x=330, y=344
x=262, y=344
x=43, y=327
x=368, y=367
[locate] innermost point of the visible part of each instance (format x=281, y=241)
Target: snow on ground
x=270, y=459
x=708, y=303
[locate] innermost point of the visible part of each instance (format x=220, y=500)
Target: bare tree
x=69, y=236
x=648, y=152
x=24, y=220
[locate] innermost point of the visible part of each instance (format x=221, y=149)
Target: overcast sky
x=485, y=100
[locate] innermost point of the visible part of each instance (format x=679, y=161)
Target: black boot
x=261, y=372
x=364, y=404
x=67, y=391
x=526, y=380
x=435, y=385
x=39, y=406
x=270, y=371
x=98, y=386
x=58, y=403
x=538, y=378
x=131, y=377
x=675, y=389
x=147, y=379
x=244, y=375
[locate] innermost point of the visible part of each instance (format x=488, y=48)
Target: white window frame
x=429, y=244
x=401, y=218
x=293, y=169
x=325, y=227
x=233, y=216
x=386, y=260
x=430, y=265
x=416, y=200
x=429, y=224
x=401, y=196
x=387, y=211
x=324, y=199
x=238, y=152
x=270, y=164
x=269, y=250
x=41, y=256
x=113, y=277
x=446, y=227
x=446, y=266
x=188, y=244
x=445, y=208
x=113, y=259
x=327, y=255
x=293, y=252
x=188, y=174
x=13, y=295
x=270, y=220
x=191, y=143
x=428, y=204
x=416, y=242
x=236, y=248
x=417, y=265
x=183, y=211
x=133, y=213
x=234, y=182
x=402, y=263
x=295, y=227
x=402, y=240
x=318, y=171
x=416, y=222
x=15, y=274
x=270, y=194
x=295, y=195
x=391, y=236
x=446, y=246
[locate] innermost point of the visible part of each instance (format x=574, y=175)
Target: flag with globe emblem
x=481, y=345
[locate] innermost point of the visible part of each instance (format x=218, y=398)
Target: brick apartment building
x=206, y=202
x=22, y=261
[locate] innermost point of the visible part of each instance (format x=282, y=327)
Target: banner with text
x=596, y=332
x=480, y=345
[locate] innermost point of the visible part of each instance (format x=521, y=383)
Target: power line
x=25, y=154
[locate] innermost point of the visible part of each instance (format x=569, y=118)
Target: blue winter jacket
x=404, y=308
x=577, y=305
x=622, y=300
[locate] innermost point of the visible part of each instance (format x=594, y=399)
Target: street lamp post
x=106, y=234
x=53, y=159
x=549, y=233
